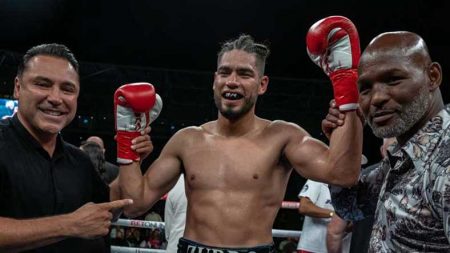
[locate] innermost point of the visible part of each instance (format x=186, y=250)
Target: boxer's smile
x=232, y=95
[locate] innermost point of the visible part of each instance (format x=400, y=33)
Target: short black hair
x=246, y=43
x=53, y=49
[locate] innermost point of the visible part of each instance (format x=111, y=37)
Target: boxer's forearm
x=346, y=150
x=132, y=186
x=19, y=235
x=114, y=190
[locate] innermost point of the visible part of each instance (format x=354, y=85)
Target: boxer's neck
x=236, y=127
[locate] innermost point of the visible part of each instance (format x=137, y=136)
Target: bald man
x=111, y=170
x=400, y=98
x=97, y=140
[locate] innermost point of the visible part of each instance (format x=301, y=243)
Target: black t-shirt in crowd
x=35, y=185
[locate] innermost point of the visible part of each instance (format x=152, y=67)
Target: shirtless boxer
x=237, y=167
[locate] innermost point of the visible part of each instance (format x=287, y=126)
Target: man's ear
x=16, y=87
x=263, y=85
x=214, y=83
x=435, y=76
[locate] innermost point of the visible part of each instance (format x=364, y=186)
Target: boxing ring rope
x=161, y=225
x=139, y=224
x=119, y=249
x=290, y=204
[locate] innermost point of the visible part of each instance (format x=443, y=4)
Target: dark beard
x=231, y=114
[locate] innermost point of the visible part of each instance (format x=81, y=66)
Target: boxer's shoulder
x=191, y=130
x=285, y=127
x=188, y=133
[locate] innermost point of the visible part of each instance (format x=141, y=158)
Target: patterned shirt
x=412, y=185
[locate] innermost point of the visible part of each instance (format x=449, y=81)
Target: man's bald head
x=97, y=140
x=406, y=45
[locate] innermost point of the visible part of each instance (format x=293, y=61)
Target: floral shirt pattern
x=412, y=186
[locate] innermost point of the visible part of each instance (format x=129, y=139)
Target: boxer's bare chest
x=224, y=162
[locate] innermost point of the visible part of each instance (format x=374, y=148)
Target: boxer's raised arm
x=136, y=105
x=333, y=44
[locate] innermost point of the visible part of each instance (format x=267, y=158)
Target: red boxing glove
x=136, y=105
x=333, y=44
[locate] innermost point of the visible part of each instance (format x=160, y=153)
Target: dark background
x=173, y=44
